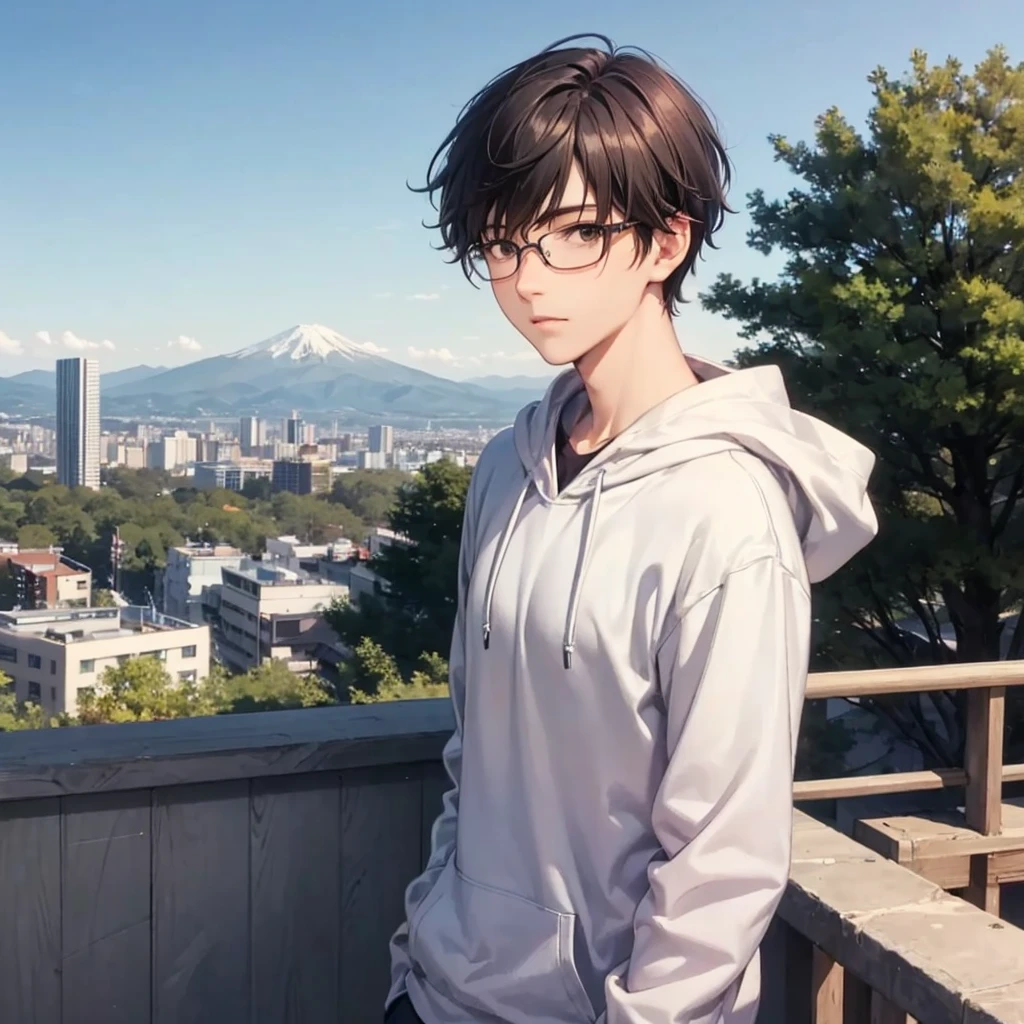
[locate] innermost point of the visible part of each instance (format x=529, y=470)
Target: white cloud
x=185, y=344
x=438, y=355
x=526, y=356
x=374, y=350
x=424, y=296
x=10, y=346
x=72, y=341
x=44, y=337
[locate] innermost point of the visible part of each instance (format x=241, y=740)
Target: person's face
x=564, y=314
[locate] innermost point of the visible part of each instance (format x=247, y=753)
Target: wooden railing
x=974, y=854
x=251, y=868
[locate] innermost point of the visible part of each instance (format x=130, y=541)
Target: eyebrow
x=561, y=211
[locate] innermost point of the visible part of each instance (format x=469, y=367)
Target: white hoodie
x=627, y=672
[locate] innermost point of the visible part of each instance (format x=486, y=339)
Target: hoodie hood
x=824, y=471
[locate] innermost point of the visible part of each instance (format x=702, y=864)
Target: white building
x=53, y=655
x=78, y=422
x=188, y=588
x=268, y=611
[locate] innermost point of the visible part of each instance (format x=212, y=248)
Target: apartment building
x=189, y=587
x=52, y=655
x=268, y=611
x=46, y=579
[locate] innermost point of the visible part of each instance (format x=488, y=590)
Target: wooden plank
x=296, y=864
x=105, y=758
x=106, y=914
x=30, y=912
x=986, y=710
x=954, y=872
x=381, y=853
x=884, y=1012
x=920, y=679
x=876, y=785
x=936, y=834
x=201, y=904
x=984, y=764
x=856, y=1000
x=826, y=989
x=799, y=976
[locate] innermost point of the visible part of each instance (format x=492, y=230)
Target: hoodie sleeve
x=733, y=672
x=442, y=837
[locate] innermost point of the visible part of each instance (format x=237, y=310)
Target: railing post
x=826, y=989
x=984, y=799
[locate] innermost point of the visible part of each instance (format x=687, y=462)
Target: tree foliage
x=899, y=316
x=142, y=690
x=376, y=677
x=414, y=611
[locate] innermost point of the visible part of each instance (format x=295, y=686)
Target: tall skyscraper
x=382, y=439
x=294, y=429
x=252, y=434
x=78, y=422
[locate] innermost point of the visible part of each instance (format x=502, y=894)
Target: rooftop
x=208, y=550
x=47, y=561
x=75, y=625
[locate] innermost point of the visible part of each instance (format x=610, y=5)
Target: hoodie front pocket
x=491, y=951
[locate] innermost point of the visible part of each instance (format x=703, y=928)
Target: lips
x=546, y=319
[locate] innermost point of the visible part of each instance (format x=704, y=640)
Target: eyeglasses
x=574, y=247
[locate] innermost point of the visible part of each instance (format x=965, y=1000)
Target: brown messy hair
x=644, y=143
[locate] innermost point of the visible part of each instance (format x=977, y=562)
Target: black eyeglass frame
x=607, y=230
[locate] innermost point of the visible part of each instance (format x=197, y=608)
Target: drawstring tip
x=487, y=636
x=567, y=656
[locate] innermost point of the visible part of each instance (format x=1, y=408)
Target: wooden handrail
x=877, y=682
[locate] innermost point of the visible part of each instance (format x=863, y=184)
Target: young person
x=632, y=638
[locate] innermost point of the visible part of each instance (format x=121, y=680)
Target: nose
x=531, y=273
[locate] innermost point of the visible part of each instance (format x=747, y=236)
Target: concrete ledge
x=933, y=954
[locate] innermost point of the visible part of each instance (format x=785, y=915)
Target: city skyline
x=165, y=199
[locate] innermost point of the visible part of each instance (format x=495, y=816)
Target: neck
x=631, y=372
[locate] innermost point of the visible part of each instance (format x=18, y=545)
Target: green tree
x=376, y=677
x=369, y=493
x=270, y=687
x=899, y=316
x=414, y=611
x=34, y=537
x=16, y=716
x=103, y=599
x=140, y=690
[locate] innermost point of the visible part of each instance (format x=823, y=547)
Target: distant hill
x=48, y=378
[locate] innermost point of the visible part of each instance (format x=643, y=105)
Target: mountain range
x=309, y=367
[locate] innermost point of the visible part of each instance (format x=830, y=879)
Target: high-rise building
x=252, y=434
x=78, y=422
x=382, y=439
x=294, y=429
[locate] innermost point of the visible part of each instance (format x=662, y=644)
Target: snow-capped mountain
x=305, y=341
x=315, y=369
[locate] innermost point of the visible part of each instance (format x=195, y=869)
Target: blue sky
x=180, y=179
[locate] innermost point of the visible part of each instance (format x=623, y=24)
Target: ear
x=670, y=247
